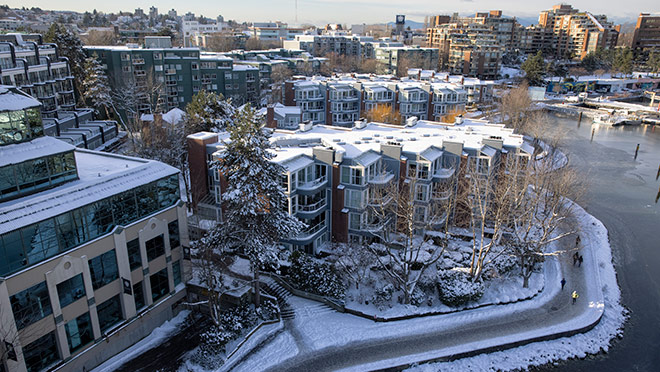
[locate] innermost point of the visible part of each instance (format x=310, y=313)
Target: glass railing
x=313, y=184
x=312, y=207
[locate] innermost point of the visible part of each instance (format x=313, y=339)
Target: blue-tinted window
x=47, y=238
x=103, y=269
x=31, y=305
x=71, y=290
x=134, y=257
x=155, y=247
x=79, y=332
x=138, y=296
x=41, y=353
x=173, y=229
x=176, y=272
x=109, y=313
x=159, y=285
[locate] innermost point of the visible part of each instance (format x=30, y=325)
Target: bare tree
x=278, y=75
x=399, y=216
x=355, y=261
x=220, y=42
x=515, y=106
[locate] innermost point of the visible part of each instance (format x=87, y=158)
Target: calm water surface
x=622, y=193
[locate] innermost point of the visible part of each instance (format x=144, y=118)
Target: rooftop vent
x=426, y=135
x=357, y=142
x=389, y=137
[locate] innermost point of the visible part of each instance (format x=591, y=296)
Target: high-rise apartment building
x=647, y=33
x=91, y=246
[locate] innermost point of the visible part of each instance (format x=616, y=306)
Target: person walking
x=576, y=257
x=580, y=261
x=563, y=283
x=575, y=296
x=577, y=241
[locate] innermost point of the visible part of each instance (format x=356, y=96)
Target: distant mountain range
x=412, y=24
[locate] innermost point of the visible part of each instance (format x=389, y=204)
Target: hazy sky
x=345, y=11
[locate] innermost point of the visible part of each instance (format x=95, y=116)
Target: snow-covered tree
x=400, y=215
x=255, y=217
x=70, y=46
x=208, y=111
x=95, y=86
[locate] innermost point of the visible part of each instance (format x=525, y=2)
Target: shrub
x=311, y=275
x=504, y=264
x=418, y=297
x=383, y=296
x=456, y=288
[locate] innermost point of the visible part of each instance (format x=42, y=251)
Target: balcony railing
x=381, y=178
x=138, y=61
x=311, y=230
x=310, y=208
x=375, y=225
x=311, y=185
x=170, y=71
x=441, y=195
x=444, y=172
x=382, y=201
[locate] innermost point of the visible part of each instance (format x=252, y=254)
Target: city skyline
x=363, y=11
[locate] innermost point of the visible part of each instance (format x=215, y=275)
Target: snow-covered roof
x=488, y=151
x=11, y=99
x=101, y=175
x=174, y=116
x=367, y=158
x=37, y=148
x=297, y=163
x=431, y=153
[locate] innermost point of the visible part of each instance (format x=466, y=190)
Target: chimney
x=458, y=119
x=447, y=77
x=270, y=117
x=462, y=80
x=306, y=126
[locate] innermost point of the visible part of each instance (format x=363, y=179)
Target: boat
x=611, y=120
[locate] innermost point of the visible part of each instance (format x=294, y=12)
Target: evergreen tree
x=255, y=219
x=653, y=62
x=95, y=87
x=70, y=46
x=208, y=111
x=535, y=69
x=623, y=61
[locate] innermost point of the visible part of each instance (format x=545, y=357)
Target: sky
x=346, y=11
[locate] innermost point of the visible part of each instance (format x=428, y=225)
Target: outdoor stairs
x=275, y=289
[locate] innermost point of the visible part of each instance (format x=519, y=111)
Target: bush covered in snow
x=504, y=264
x=456, y=288
x=383, y=295
x=311, y=275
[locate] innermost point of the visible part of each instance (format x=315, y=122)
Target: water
x=622, y=192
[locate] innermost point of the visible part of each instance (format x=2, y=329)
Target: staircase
x=270, y=286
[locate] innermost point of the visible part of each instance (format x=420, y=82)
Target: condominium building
x=577, y=33
x=37, y=68
x=191, y=30
x=331, y=175
x=344, y=100
x=91, y=246
x=274, y=31
x=647, y=33
x=469, y=49
x=177, y=73
x=398, y=59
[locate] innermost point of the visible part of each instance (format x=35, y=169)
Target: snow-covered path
x=335, y=341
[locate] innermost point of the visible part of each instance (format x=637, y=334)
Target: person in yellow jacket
x=575, y=296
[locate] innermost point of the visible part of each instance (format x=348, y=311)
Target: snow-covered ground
x=353, y=343
x=155, y=338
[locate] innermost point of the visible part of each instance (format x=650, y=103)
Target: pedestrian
x=576, y=256
x=563, y=283
x=577, y=241
x=575, y=296
x=580, y=261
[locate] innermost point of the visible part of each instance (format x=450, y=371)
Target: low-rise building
x=91, y=246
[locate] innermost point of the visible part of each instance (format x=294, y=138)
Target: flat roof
x=101, y=175
x=37, y=148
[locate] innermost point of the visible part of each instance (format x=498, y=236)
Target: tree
x=515, y=107
x=278, y=75
x=95, y=87
x=70, y=46
x=400, y=214
x=383, y=113
x=355, y=261
x=623, y=61
x=220, y=42
x=535, y=69
x=576, y=72
x=97, y=37
x=540, y=205
x=255, y=219
x=372, y=66
x=653, y=62
x=138, y=95
x=208, y=111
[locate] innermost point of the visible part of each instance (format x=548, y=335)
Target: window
x=155, y=247
x=109, y=313
x=173, y=229
x=138, y=296
x=103, y=269
x=355, y=199
x=41, y=353
x=71, y=290
x=134, y=257
x=352, y=176
x=31, y=305
x=176, y=272
x=420, y=214
x=79, y=332
x=422, y=193
x=159, y=285
x=194, y=66
x=355, y=221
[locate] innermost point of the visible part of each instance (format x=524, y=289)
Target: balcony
x=374, y=226
x=381, y=201
x=140, y=73
x=138, y=61
x=313, y=185
x=441, y=195
x=170, y=83
x=444, y=173
x=170, y=71
x=312, y=208
x=381, y=179
x=310, y=231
